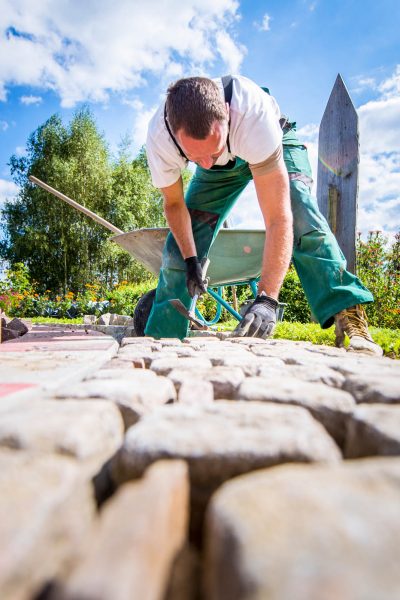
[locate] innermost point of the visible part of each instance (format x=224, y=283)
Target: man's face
x=205, y=152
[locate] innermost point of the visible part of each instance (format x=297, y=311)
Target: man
x=233, y=130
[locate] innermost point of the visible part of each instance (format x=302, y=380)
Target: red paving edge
x=12, y=388
x=56, y=339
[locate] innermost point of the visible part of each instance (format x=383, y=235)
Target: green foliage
x=62, y=248
x=123, y=298
x=378, y=266
x=292, y=294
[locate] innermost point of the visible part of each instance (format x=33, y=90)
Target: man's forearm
x=274, y=198
x=276, y=258
x=180, y=224
x=178, y=218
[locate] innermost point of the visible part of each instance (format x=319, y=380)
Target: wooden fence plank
x=338, y=158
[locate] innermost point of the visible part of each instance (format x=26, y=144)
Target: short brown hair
x=193, y=104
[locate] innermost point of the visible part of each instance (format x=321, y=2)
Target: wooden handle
x=79, y=207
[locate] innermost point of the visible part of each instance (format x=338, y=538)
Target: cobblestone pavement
x=211, y=468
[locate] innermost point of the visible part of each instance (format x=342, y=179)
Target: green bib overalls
x=318, y=260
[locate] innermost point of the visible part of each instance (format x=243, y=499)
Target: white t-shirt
x=254, y=133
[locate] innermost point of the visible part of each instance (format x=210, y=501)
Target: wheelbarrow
x=235, y=259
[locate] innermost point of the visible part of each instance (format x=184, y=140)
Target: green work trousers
x=318, y=260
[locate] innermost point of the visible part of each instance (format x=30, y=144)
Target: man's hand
x=194, y=277
x=259, y=319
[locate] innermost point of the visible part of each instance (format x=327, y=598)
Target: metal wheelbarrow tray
x=235, y=256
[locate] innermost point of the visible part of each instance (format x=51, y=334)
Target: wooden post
x=338, y=158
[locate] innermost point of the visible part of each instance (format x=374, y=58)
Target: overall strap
x=227, y=82
x=181, y=152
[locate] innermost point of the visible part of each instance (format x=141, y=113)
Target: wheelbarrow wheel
x=142, y=312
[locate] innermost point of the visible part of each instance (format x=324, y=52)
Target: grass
x=388, y=339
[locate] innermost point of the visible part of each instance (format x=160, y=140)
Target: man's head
x=198, y=117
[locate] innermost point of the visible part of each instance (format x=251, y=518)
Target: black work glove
x=194, y=276
x=259, y=319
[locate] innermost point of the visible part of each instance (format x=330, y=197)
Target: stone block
x=8, y=334
x=89, y=319
x=142, y=528
x=319, y=373
x=164, y=365
x=121, y=320
x=196, y=392
x=88, y=431
x=134, y=397
x=306, y=532
x=18, y=326
x=330, y=406
x=373, y=429
x=104, y=319
x=224, y=380
x=47, y=512
x=375, y=388
x=220, y=441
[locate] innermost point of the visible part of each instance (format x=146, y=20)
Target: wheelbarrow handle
x=76, y=205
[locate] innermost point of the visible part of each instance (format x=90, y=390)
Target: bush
x=378, y=267
x=292, y=294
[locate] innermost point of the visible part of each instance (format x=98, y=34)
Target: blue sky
x=120, y=56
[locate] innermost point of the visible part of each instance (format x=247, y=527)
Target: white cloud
x=30, y=100
x=3, y=125
x=232, y=53
x=140, y=125
x=86, y=50
x=8, y=191
x=390, y=88
x=265, y=24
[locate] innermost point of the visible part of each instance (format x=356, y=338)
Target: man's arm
x=273, y=195
x=178, y=218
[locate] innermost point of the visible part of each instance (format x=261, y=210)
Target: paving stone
x=135, y=355
x=134, y=398
x=18, y=326
x=225, y=380
x=124, y=320
x=141, y=530
x=89, y=319
x=47, y=512
x=232, y=358
x=163, y=366
x=318, y=373
x=124, y=365
x=330, y=406
x=165, y=342
x=220, y=441
x=185, y=582
x=249, y=341
x=89, y=431
x=125, y=374
x=374, y=388
x=142, y=342
x=104, y=319
x=306, y=532
x=196, y=391
x=373, y=429
x=198, y=333
x=8, y=334
x=224, y=335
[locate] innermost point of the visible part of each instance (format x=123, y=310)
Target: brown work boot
x=353, y=322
